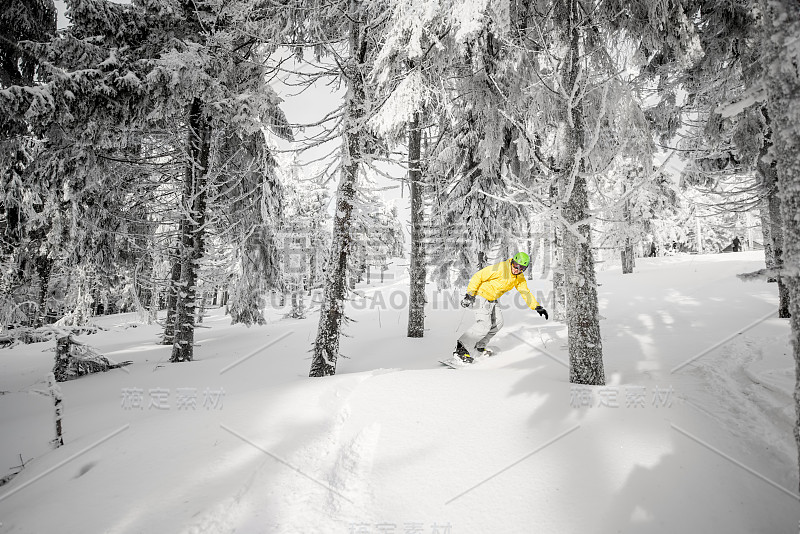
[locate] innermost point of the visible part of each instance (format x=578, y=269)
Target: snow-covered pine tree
x=446, y=67
x=125, y=58
x=191, y=227
x=377, y=231
x=619, y=165
x=408, y=68
x=769, y=207
x=729, y=135
x=33, y=20
x=295, y=235
x=731, y=170
x=79, y=164
x=249, y=201
x=474, y=211
x=24, y=252
x=349, y=25
x=641, y=206
x=304, y=234
x=255, y=271
x=583, y=322
x=578, y=54
x=770, y=210
x=780, y=28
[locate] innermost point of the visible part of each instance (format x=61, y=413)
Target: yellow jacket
x=494, y=281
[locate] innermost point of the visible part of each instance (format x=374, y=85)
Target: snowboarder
x=485, y=287
x=737, y=245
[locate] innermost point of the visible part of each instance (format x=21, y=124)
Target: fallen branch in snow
x=761, y=274
x=75, y=359
x=42, y=334
x=5, y=479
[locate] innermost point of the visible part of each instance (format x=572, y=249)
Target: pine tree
x=193, y=217
x=734, y=137
x=120, y=81
x=585, y=345
x=576, y=52
x=769, y=208
x=304, y=236
x=354, y=138
x=418, y=274
x=781, y=55
x=408, y=68
x=22, y=233
x=376, y=232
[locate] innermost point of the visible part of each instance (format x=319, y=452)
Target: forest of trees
x=143, y=159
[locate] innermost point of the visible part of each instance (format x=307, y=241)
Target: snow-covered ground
x=682, y=439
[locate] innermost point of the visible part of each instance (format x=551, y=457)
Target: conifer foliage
x=156, y=86
x=360, y=49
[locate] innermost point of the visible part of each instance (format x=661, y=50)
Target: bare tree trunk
x=546, y=248
x=201, y=310
x=766, y=232
x=782, y=83
x=585, y=345
x=416, y=308
x=155, y=295
x=627, y=256
x=769, y=174
x=298, y=304
x=559, y=293
x=326, y=346
x=44, y=268
x=172, y=299
x=698, y=235
x=82, y=311
x=191, y=246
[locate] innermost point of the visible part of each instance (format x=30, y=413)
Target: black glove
x=542, y=311
x=467, y=301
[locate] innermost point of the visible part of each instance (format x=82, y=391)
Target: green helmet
x=522, y=259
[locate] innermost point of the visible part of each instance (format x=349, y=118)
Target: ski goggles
x=516, y=265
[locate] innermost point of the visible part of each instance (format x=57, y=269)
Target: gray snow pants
x=488, y=321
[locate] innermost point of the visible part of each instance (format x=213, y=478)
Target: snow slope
x=682, y=439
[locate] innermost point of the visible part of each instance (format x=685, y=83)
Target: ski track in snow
x=748, y=403
x=344, y=466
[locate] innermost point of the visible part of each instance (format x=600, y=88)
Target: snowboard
x=453, y=364
x=456, y=363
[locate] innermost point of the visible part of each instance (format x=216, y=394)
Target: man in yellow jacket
x=485, y=287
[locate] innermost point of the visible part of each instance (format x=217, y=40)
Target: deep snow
x=682, y=439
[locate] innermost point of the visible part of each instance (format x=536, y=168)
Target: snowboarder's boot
x=462, y=353
x=483, y=351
